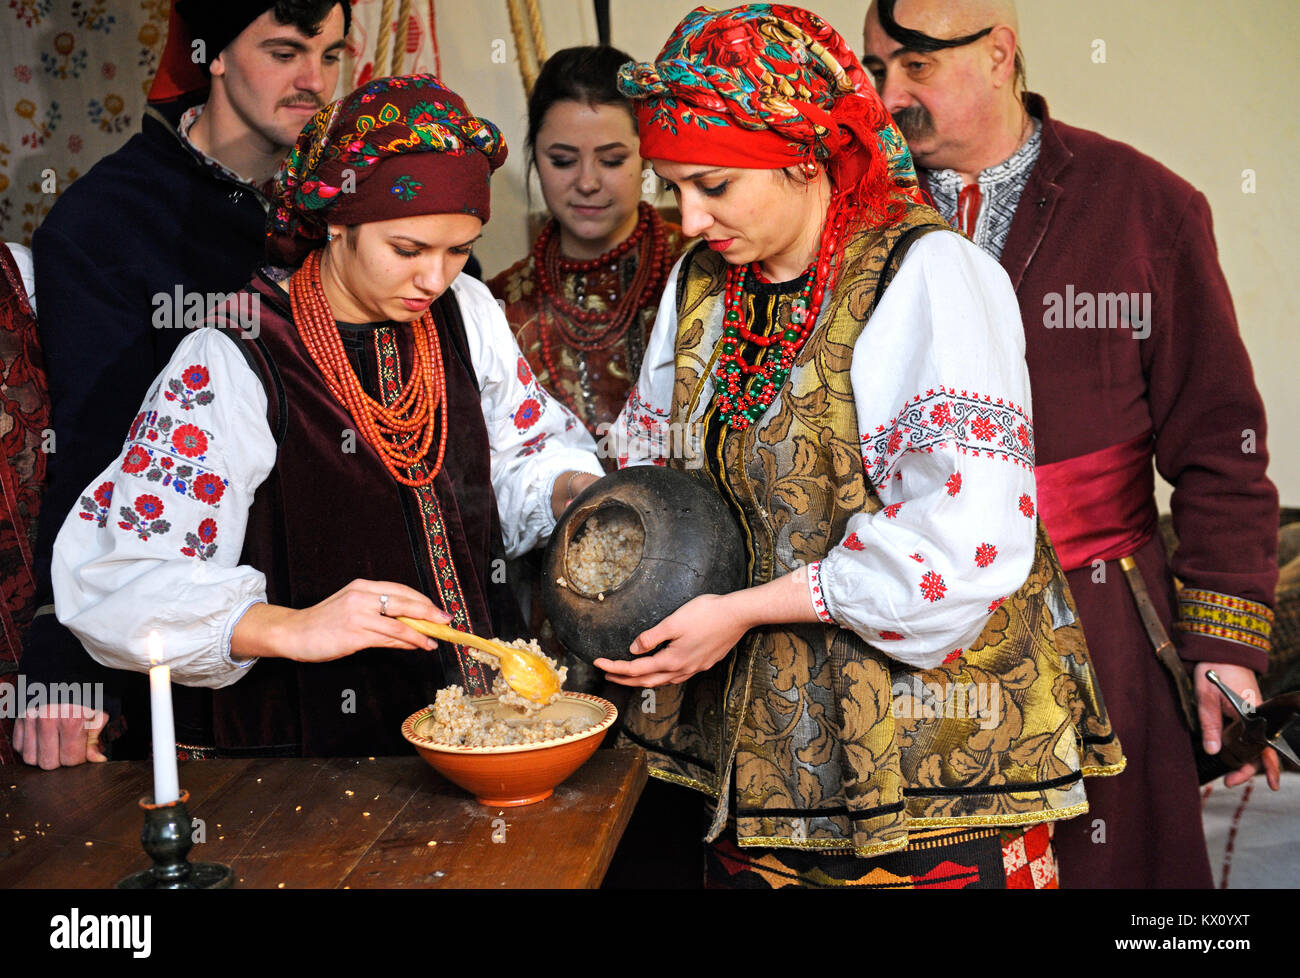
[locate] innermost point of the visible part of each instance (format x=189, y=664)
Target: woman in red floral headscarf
x=333, y=455
x=904, y=678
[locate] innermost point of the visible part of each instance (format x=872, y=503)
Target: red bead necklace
x=556, y=314
x=745, y=392
x=401, y=433
x=651, y=271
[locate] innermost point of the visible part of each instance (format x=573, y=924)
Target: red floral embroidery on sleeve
x=953, y=485
x=95, y=507
x=534, y=445
x=528, y=414
x=137, y=459
x=952, y=656
x=851, y=542
x=985, y=554
x=202, y=544
x=891, y=510
x=815, y=590
x=188, y=391
x=1026, y=504
x=145, y=519
x=946, y=418
x=524, y=372
x=932, y=586
x=890, y=636
x=190, y=441
x=918, y=558
x=209, y=488
x=995, y=604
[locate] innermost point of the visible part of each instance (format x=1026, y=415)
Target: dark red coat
x=1098, y=216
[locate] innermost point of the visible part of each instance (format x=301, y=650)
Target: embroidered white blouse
x=156, y=539
x=942, y=396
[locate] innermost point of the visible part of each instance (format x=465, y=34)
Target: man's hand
x=60, y=735
x=1212, y=707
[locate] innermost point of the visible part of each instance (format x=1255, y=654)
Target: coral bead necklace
x=597, y=329
x=584, y=330
x=402, y=433
x=745, y=391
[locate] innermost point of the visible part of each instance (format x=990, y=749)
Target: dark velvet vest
x=330, y=512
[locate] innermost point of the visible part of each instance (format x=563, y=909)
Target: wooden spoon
x=526, y=673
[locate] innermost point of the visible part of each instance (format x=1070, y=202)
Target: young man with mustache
x=179, y=210
x=1069, y=212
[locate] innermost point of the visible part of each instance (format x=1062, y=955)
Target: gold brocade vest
x=832, y=744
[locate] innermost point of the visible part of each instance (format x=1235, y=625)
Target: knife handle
x=1238, y=748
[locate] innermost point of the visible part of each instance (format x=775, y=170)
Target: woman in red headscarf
x=332, y=455
x=904, y=678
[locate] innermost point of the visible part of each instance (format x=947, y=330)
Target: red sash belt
x=1099, y=506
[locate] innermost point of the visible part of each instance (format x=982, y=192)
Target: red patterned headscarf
x=396, y=147
x=769, y=86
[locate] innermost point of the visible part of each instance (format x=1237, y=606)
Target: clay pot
x=693, y=546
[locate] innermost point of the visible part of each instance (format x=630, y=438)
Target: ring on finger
x=383, y=605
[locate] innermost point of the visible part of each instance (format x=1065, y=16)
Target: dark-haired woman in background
x=581, y=303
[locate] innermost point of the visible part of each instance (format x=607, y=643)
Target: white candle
x=166, y=781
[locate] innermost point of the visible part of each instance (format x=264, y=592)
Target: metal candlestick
x=168, y=837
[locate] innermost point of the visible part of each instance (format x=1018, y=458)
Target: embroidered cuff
x=229, y=632
x=815, y=592
x=1226, y=617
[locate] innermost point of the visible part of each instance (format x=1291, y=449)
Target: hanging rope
x=383, y=37
x=531, y=48
x=535, y=26
x=399, y=42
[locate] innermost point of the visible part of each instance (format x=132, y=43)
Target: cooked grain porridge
x=502, y=691
x=458, y=723
x=606, y=552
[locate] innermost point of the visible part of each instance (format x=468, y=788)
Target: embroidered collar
x=1000, y=188
x=1015, y=168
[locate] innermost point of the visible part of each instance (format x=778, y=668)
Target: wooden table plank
x=87, y=822
x=479, y=846
x=318, y=823
x=321, y=828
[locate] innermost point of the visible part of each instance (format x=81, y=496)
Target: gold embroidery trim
x=1019, y=818
x=681, y=779
x=1105, y=770
x=1227, y=617
x=781, y=842
x=967, y=821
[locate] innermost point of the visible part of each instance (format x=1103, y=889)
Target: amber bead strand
x=392, y=430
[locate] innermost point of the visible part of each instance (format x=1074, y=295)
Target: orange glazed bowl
x=522, y=774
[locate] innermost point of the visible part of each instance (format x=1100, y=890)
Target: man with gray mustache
x=1070, y=213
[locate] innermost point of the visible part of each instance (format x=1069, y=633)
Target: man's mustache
x=308, y=101
x=914, y=121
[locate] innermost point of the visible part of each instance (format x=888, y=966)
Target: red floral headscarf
x=396, y=147
x=770, y=86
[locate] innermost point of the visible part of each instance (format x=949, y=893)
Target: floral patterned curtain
x=74, y=74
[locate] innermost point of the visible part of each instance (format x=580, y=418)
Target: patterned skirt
x=953, y=859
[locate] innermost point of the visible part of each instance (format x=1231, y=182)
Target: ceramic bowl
x=523, y=774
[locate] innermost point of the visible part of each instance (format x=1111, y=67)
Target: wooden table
x=385, y=822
